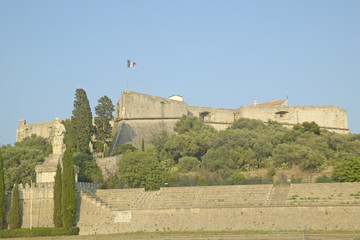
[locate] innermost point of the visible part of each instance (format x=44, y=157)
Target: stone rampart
x=132, y=105
x=132, y=210
x=327, y=117
x=274, y=218
x=134, y=130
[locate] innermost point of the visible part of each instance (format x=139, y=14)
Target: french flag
x=130, y=64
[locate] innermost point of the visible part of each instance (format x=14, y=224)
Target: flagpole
x=127, y=77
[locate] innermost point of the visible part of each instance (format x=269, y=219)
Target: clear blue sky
x=213, y=53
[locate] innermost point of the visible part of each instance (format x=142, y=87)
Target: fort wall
x=332, y=206
x=327, y=117
x=134, y=130
x=132, y=105
x=219, y=118
x=274, y=218
x=219, y=208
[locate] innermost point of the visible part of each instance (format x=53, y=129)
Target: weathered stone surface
x=99, y=214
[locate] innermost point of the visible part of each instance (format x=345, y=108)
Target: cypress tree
x=2, y=193
x=14, y=216
x=68, y=196
x=104, y=111
x=81, y=122
x=57, y=198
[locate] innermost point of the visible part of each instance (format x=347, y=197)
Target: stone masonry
x=312, y=206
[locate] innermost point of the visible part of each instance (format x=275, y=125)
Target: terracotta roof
x=272, y=103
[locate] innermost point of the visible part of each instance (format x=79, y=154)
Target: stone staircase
x=278, y=195
x=90, y=196
x=142, y=199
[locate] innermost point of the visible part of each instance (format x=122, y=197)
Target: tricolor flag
x=130, y=64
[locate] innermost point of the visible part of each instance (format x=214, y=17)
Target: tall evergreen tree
x=104, y=111
x=81, y=129
x=2, y=193
x=57, y=197
x=68, y=196
x=14, y=215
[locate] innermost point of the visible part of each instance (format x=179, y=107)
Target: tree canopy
x=79, y=129
x=20, y=160
x=104, y=111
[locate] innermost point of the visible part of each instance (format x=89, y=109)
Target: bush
x=323, y=179
x=38, y=232
x=295, y=179
x=348, y=170
x=123, y=148
x=253, y=180
x=188, y=164
x=236, y=178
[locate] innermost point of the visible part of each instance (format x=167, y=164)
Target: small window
x=281, y=114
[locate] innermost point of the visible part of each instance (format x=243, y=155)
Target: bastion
x=140, y=116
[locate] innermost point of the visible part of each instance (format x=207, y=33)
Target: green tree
x=250, y=124
x=311, y=127
x=20, y=160
x=68, y=190
x=104, y=111
x=123, y=148
x=188, y=164
x=187, y=124
x=80, y=127
x=2, y=193
x=141, y=169
x=57, y=218
x=14, y=215
x=89, y=171
x=348, y=170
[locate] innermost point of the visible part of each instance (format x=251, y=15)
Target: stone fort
x=141, y=116
x=327, y=206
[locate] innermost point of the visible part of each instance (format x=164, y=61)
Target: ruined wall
x=132, y=105
x=328, y=117
x=40, y=129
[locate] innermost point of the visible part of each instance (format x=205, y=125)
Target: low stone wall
x=95, y=217
x=216, y=219
x=40, y=199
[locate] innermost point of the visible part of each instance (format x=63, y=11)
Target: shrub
x=188, y=164
x=323, y=179
x=348, y=170
x=295, y=179
x=236, y=178
x=38, y=232
x=253, y=180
